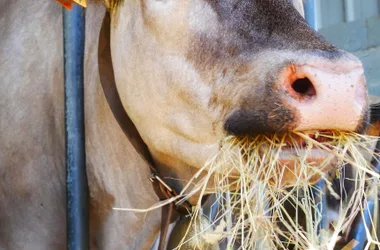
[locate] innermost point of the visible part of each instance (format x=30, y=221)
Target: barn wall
x=354, y=25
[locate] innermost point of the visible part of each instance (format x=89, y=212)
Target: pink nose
x=326, y=96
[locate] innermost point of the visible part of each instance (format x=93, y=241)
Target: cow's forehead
x=239, y=7
x=258, y=24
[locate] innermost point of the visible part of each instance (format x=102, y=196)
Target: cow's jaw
x=299, y=148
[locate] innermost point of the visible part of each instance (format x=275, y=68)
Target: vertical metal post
x=76, y=178
x=320, y=191
x=311, y=13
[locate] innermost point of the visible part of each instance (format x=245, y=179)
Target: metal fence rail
x=76, y=179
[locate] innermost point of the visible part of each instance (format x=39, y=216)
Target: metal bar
x=76, y=178
x=311, y=13
x=320, y=196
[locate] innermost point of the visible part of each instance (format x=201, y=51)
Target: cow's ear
x=298, y=4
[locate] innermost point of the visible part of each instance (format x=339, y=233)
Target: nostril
x=304, y=87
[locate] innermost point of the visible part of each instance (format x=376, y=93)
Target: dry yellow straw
x=265, y=203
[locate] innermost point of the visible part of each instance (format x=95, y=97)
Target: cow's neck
x=118, y=177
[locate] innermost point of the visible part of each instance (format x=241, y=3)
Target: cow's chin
x=301, y=166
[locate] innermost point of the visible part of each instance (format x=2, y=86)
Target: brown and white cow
x=188, y=73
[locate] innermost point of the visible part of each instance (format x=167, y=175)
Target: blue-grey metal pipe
x=76, y=177
x=320, y=190
x=311, y=13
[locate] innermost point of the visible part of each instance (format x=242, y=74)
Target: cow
x=188, y=73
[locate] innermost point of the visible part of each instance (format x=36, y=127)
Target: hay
x=256, y=191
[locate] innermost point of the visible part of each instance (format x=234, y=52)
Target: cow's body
x=32, y=141
x=32, y=173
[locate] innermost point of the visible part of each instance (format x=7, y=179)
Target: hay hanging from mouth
x=265, y=196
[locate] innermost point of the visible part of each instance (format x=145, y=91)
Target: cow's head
x=191, y=71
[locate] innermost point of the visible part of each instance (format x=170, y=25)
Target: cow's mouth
x=296, y=147
x=300, y=157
